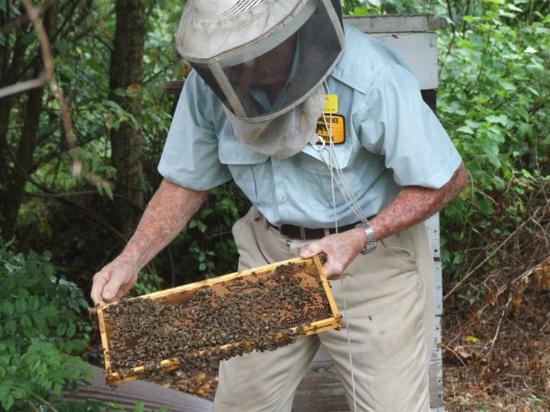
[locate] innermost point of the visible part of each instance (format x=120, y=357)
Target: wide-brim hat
x=216, y=35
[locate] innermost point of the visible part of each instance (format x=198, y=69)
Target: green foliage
x=208, y=242
x=493, y=101
x=147, y=283
x=39, y=331
x=41, y=337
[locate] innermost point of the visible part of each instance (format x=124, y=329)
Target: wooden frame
x=333, y=322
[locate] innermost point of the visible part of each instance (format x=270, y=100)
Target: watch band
x=370, y=244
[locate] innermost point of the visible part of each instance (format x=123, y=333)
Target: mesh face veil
x=262, y=58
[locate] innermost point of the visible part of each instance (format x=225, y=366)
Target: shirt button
x=238, y=156
x=284, y=197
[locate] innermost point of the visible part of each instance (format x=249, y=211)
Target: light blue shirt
x=393, y=139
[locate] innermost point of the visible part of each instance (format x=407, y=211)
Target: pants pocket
x=241, y=223
x=399, y=245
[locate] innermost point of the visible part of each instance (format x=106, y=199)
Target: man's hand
x=412, y=205
x=114, y=280
x=340, y=249
x=165, y=216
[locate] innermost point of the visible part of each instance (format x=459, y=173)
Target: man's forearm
x=415, y=204
x=166, y=215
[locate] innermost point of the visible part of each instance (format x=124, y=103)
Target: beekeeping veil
x=230, y=43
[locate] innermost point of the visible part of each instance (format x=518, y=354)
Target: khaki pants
x=389, y=300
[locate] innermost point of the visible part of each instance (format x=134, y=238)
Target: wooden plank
x=321, y=389
x=397, y=23
x=435, y=372
x=328, y=291
x=153, y=396
x=432, y=225
x=419, y=51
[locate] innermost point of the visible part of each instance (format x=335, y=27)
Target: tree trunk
x=126, y=142
x=23, y=163
x=16, y=163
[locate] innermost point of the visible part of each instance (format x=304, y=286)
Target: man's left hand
x=340, y=248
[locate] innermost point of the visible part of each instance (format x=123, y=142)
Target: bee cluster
x=200, y=327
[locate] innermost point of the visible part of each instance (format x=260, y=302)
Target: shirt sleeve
x=395, y=122
x=190, y=154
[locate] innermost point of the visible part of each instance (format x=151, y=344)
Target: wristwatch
x=370, y=243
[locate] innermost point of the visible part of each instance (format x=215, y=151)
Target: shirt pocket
x=246, y=165
x=317, y=176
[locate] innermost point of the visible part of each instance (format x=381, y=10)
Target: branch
x=471, y=272
x=90, y=213
x=47, y=60
x=21, y=20
x=23, y=86
x=450, y=12
x=52, y=194
x=40, y=398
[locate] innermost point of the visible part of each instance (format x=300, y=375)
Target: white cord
x=349, y=345
x=350, y=199
x=346, y=191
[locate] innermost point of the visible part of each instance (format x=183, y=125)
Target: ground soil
x=497, y=349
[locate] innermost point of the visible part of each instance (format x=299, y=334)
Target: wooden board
x=331, y=322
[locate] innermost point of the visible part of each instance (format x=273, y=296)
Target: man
x=329, y=139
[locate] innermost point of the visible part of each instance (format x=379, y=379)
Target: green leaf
x=11, y=326
x=71, y=330
x=465, y=129
x=7, y=308
x=21, y=305
x=61, y=329
x=18, y=393
x=28, y=332
x=7, y=402
x=484, y=206
x=34, y=303
x=139, y=407
x=500, y=119
x=48, y=270
x=39, y=321
x=25, y=321
x=508, y=86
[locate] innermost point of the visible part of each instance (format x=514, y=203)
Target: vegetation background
x=74, y=182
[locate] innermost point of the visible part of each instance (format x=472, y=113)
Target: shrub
x=40, y=332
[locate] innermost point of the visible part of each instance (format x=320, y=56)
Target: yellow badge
x=331, y=103
x=337, y=128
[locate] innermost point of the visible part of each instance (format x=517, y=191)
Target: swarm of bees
x=201, y=327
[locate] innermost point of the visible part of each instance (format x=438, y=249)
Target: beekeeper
x=325, y=131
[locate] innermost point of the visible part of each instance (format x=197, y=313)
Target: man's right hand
x=165, y=216
x=114, y=280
